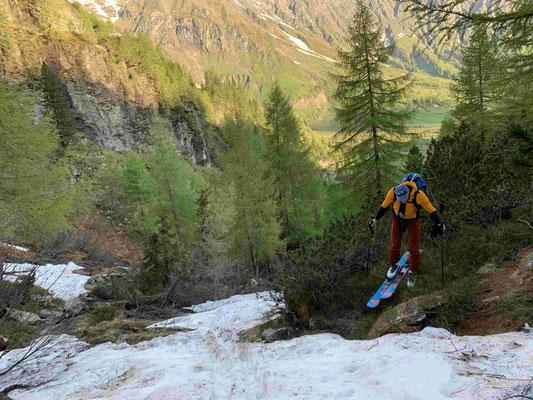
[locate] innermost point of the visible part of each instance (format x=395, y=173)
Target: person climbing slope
x=407, y=199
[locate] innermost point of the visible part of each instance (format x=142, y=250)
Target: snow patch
x=60, y=280
x=99, y=5
x=301, y=44
x=14, y=247
x=238, y=311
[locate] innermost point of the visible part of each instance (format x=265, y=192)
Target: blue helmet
x=401, y=192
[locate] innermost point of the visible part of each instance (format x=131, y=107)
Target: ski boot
x=393, y=271
x=410, y=279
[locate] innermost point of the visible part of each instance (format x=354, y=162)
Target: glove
x=437, y=230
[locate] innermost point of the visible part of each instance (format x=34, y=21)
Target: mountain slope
x=293, y=41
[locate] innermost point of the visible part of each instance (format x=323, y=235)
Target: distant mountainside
x=294, y=41
x=256, y=42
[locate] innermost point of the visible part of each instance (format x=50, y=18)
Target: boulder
x=74, y=307
x=411, y=316
x=51, y=314
x=24, y=317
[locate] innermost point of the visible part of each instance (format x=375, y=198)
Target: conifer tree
x=139, y=194
x=176, y=197
x=415, y=160
x=58, y=105
x=476, y=88
x=256, y=228
x=372, y=125
x=298, y=190
x=36, y=198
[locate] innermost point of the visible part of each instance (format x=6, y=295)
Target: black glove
x=436, y=230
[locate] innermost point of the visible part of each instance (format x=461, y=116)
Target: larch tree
x=36, y=199
x=298, y=192
x=58, y=105
x=445, y=22
x=256, y=229
x=477, y=86
x=372, y=133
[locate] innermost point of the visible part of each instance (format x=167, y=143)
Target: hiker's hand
x=437, y=229
x=372, y=223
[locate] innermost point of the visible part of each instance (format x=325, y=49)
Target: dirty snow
x=59, y=280
x=210, y=363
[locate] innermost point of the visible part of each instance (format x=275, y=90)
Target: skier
x=407, y=199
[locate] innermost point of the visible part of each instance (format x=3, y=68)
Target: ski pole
x=441, y=211
x=369, y=247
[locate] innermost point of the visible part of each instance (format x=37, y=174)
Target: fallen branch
x=525, y=222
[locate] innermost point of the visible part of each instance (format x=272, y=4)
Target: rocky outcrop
x=411, y=316
x=113, y=124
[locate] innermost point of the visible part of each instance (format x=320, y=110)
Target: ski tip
x=372, y=303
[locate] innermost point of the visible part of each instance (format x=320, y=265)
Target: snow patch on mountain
x=108, y=9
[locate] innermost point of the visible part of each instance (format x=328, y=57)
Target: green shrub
x=517, y=304
x=103, y=313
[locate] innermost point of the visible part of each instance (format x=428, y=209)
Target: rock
x=74, y=307
x=42, y=300
x=529, y=260
x=411, y=316
x=271, y=335
x=24, y=317
x=268, y=335
x=52, y=314
x=112, y=124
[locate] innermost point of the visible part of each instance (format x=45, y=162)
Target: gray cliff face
x=111, y=124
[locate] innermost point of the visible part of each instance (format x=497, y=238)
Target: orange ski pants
x=413, y=242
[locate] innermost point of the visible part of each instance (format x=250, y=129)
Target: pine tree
x=56, y=102
x=256, y=228
x=372, y=126
x=299, y=190
x=476, y=89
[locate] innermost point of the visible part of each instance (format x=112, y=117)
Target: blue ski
x=374, y=301
x=385, y=286
x=403, y=272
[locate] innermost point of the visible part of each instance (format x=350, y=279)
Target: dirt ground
x=515, y=275
x=112, y=239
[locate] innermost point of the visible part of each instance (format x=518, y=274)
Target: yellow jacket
x=417, y=198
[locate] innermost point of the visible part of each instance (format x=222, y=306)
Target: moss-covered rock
x=411, y=316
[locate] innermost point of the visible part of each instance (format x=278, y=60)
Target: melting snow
x=13, y=246
x=211, y=363
x=297, y=42
x=57, y=279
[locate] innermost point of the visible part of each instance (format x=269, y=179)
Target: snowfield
x=210, y=363
x=60, y=280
